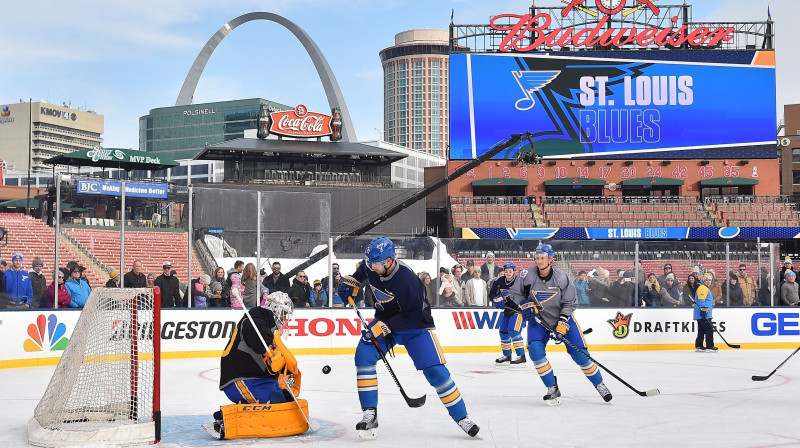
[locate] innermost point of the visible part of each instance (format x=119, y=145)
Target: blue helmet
x=510, y=265
x=545, y=249
x=379, y=249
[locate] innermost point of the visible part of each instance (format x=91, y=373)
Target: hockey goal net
x=105, y=389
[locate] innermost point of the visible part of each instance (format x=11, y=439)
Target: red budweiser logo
x=536, y=28
x=300, y=122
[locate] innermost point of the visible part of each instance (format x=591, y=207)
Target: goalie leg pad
x=264, y=420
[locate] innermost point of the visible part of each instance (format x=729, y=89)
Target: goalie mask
x=281, y=306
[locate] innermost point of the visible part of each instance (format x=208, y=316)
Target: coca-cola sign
x=300, y=122
x=530, y=33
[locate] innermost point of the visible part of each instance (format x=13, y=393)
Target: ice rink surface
x=706, y=400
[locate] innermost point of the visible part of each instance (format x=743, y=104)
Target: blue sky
x=122, y=59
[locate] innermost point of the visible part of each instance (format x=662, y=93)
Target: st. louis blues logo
x=543, y=296
x=530, y=81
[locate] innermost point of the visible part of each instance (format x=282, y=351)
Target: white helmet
x=281, y=306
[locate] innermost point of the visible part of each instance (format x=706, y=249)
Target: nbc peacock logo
x=5, y=112
x=47, y=334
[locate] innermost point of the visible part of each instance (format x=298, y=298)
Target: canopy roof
x=127, y=159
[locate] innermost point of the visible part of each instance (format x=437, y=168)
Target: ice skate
x=712, y=350
x=604, y=392
x=553, y=396
x=469, y=426
x=700, y=349
x=368, y=426
x=502, y=360
x=215, y=430
x=519, y=362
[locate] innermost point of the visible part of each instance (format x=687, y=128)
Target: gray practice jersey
x=557, y=294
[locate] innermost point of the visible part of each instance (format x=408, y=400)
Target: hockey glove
x=529, y=309
x=561, y=328
x=348, y=287
x=499, y=302
x=377, y=329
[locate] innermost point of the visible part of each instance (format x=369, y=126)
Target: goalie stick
x=411, y=402
x=763, y=378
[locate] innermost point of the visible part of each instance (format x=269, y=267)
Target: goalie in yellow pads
x=257, y=378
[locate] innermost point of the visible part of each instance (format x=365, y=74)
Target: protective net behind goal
x=105, y=388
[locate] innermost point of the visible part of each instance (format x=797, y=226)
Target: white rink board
x=190, y=333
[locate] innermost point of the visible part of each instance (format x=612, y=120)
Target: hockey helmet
x=509, y=265
x=379, y=250
x=281, y=306
x=545, y=249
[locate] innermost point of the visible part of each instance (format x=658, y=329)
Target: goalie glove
x=348, y=287
x=562, y=327
x=275, y=362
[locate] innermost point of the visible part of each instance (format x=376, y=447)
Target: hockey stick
x=722, y=337
x=411, y=402
x=763, y=378
x=312, y=425
x=649, y=393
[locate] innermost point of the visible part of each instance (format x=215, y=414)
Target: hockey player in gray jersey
x=546, y=295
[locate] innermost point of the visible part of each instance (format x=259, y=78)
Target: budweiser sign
x=532, y=32
x=300, y=122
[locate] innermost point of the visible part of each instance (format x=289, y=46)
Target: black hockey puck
x=326, y=370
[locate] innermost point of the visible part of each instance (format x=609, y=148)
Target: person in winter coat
x=789, y=289
x=113, y=278
x=300, y=290
x=670, y=294
x=223, y=299
x=250, y=279
x=689, y=289
x=337, y=300
x=599, y=289
x=716, y=289
x=703, y=307
x=237, y=290
x=652, y=291
x=19, y=290
x=63, y=294
x=624, y=289
x=319, y=297
x=38, y=283
x=733, y=290
x=582, y=286
x=78, y=289
x=430, y=287
x=170, y=287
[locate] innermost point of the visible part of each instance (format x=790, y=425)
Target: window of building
x=418, y=88
x=435, y=120
x=435, y=128
x=436, y=145
x=418, y=80
x=418, y=137
x=418, y=74
x=418, y=64
x=418, y=145
x=401, y=82
x=435, y=97
x=418, y=105
x=435, y=64
x=401, y=122
x=795, y=154
x=401, y=66
x=418, y=130
x=435, y=112
x=390, y=68
x=401, y=114
x=417, y=112
x=796, y=176
x=391, y=84
x=435, y=80
x=418, y=96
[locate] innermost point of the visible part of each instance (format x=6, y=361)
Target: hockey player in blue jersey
x=546, y=294
x=511, y=322
x=402, y=316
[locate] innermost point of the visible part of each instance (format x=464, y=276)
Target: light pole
x=30, y=142
x=380, y=134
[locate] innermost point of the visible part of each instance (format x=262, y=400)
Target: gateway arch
x=332, y=90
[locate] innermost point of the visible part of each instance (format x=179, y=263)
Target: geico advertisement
x=33, y=334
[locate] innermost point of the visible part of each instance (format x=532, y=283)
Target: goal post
x=106, y=387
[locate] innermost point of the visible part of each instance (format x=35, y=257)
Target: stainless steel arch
x=332, y=90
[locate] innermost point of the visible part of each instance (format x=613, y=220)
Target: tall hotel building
x=31, y=133
x=416, y=91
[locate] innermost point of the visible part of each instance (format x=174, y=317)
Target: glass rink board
x=577, y=106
